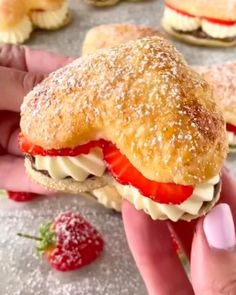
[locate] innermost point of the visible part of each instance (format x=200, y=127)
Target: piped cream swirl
x=191, y=207
x=78, y=168
x=17, y=34
x=51, y=19
x=179, y=21
x=218, y=31
x=231, y=138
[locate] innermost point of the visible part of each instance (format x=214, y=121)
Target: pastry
x=102, y=3
x=18, y=18
x=111, y=35
x=135, y=118
x=201, y=22
x=222, y=78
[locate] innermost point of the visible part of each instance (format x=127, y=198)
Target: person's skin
x=20, y=70
x=211, y=242
x=213, y=255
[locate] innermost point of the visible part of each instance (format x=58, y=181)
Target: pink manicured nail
x=219, y=228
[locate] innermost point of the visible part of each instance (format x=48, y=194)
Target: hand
x=20, y=70
x=211, y=241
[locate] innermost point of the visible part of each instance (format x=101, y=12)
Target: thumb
x=213, y=256
x=14, y=85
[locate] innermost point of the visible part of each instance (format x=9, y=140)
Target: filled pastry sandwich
x=19, y=18
x=223, y=80
x=111, y=35
x=130, y=122
x=201, y=22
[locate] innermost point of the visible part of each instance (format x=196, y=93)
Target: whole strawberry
x=21, y=196
x=69, y=242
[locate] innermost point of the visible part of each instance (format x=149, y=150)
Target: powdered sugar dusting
x=144, y=83
x=77, y=242
x=22, y=273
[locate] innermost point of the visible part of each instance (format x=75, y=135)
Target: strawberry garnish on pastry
x=203, y=22
x=134, y=120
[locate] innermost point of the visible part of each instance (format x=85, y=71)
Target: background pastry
x=222, y=78
x=17, y=18
x=111, y=35
x=201, y=22
x=165, y=154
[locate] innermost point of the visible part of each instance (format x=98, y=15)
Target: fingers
x=13, y=176
x=185, y=230
x=228, y=191
x=9, y=130
x=31, y=60
x=213, y=258
x=152, y=249
x=11, y=96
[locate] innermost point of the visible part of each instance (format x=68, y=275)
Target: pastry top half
x=13, y=11
x=218, y=9
x=222, y=78
x=111, y=35
x=141, y=96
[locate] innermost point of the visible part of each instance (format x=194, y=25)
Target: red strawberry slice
x=231, y=128
x=32, y=149
x=22, y=196
x=125, y=173
x=69, y=242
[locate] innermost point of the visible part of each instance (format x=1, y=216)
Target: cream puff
x=134, y=118
x=18, y=18
x=111, y=35
x=202, y=22
x=223, y=80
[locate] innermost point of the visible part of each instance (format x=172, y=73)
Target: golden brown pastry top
x=219, y=9
x=111, y=35
x=13, y=11
x=143, y=97
x=223, y=80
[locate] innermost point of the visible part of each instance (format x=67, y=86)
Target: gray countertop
x=113, y=273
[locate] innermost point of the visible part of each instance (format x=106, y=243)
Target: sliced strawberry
x=180, y=11
x=231, y=128
x=222, y=22
x=32, y=149
x=125, y=173
x=22, y=196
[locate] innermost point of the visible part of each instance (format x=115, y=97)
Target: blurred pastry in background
x=18, y=18
x=102, y=3
x=50, y=14
x=201, y=22
x=223, y=80
x=111, y=35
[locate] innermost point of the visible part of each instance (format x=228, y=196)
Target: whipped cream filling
x=190, y=208
x=218, y=31
x=181, y=22
x=231, y=138
x=81, y=167
x=109, y=197
x=17, y=34
x=78, y=168
x=185, y=23
x=50, y=19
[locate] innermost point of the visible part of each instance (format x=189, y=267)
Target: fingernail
x=219, y=229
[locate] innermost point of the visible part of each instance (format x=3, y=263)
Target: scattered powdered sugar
x=22, y=273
